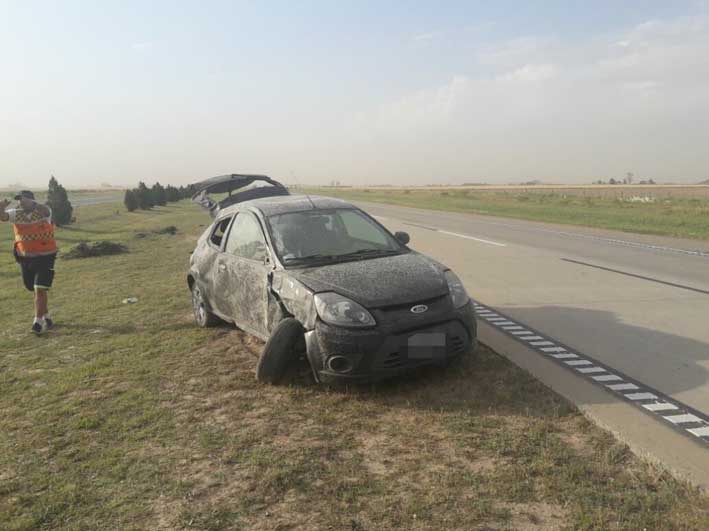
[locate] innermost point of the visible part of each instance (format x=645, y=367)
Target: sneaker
x=37, y=327
x=48, y=323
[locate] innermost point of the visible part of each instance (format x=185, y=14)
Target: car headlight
x=337, y=310
x=457, y=290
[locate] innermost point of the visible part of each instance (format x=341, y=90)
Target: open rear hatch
x=249, y=186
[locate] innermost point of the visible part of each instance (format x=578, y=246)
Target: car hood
x=377, y=282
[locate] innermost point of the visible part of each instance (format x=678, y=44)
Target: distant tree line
x=145, y=198
x=628, y=180
x=624, y=181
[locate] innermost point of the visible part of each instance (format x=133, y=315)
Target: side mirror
x=403, y=237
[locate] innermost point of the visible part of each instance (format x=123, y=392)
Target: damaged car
x=319, y=279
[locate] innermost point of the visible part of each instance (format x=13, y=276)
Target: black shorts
x=38, y=272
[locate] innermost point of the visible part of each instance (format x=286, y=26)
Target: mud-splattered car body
x=365, y=315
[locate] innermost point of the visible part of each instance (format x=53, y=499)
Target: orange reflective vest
x=34, y=234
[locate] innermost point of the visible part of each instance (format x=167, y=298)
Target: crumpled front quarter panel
x=296, y=298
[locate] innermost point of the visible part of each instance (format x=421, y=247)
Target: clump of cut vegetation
x=90, y=250
x=172, y=230
x=121, y=420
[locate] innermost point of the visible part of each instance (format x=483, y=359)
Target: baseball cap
x=25, y=193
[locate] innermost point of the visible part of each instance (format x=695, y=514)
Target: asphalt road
x=636, y=304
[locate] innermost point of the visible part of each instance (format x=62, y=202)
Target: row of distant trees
x=623, y=181
x=145, y=198
x=629, y=177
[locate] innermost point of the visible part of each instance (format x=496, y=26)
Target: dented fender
x=295, y=297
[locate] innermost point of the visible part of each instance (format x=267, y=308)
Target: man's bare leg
x=40, y=303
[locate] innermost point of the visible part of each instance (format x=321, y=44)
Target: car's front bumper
x=386, y=350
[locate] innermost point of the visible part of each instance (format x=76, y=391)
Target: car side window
x=246, y=238
x=220, y=229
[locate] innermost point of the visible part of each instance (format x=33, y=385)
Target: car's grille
x=400, y=319
x=456, y=344
x=431, y=303
x=396, y=357
x=391, y=361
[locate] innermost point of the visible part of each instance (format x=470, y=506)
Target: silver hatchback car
x=319, y=279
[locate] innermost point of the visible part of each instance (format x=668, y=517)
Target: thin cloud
x=426, y=37
x=459, y=35
x=531, y=73
x=141, y=45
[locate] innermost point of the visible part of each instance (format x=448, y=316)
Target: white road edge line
x=472, y=238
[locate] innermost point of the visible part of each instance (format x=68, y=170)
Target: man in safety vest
x=35, y=250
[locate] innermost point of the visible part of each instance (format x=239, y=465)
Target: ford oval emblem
x=419, y=308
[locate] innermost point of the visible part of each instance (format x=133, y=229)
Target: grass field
x=40, y=194
x=130, y=417
x=684, y=215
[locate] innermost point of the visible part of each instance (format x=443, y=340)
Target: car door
x=210, y=272
x=243, y=269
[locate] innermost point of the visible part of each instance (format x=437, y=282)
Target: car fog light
x=339, y=364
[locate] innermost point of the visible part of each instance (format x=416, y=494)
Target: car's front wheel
x=202, y=316
x=282, y=349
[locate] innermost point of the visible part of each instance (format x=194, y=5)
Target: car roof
x=270, y=206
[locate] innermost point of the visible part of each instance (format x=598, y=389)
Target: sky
x=359, y=92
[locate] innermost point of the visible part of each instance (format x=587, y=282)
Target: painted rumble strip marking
x=563, y=356
x=675, y=414
x=589, y=370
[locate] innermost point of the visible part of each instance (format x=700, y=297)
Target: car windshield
x=329, y=235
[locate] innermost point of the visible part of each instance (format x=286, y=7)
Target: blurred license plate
x=427, y=346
